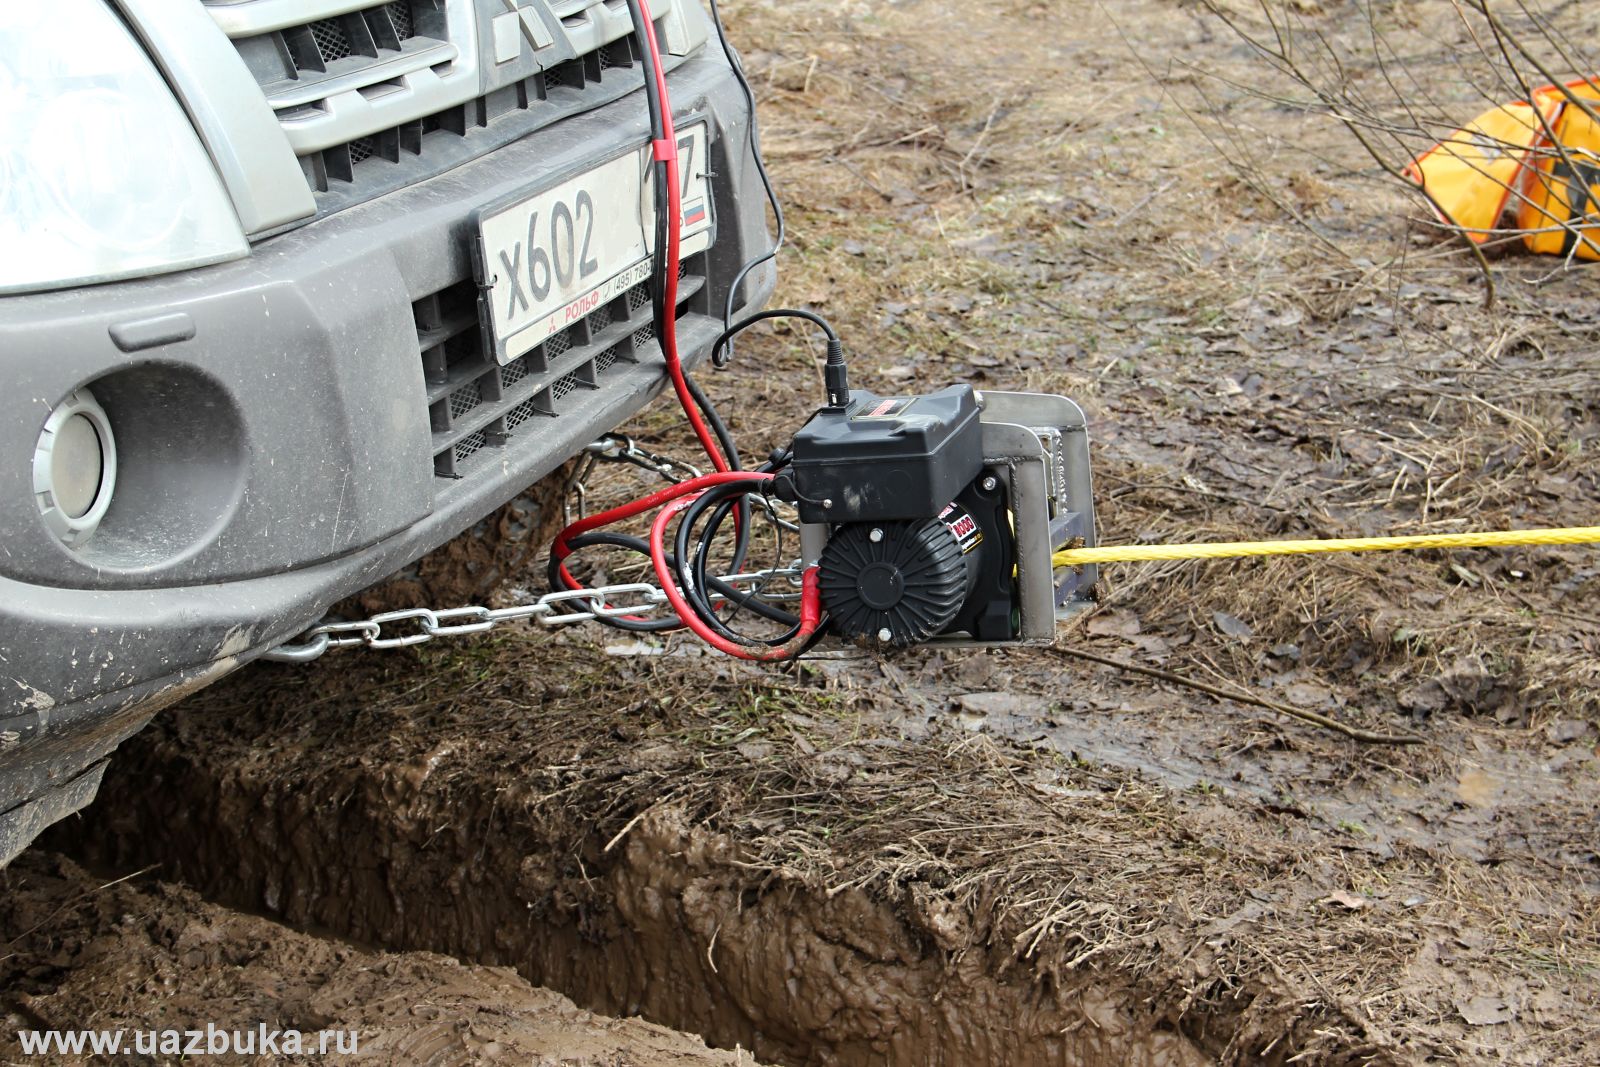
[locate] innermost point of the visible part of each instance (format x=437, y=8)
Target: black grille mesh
x=563, y=386
x=477, y=407
x=520, y=414
x=513, y=372
x=332, y=42
x=400, y=19
x=465, y=399
x=470, y=445
x=331, y=36
x=569, y=74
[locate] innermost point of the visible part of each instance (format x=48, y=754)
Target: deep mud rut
x=158, y=958
x=1016, y=858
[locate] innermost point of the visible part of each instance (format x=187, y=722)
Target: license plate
x=552, y=257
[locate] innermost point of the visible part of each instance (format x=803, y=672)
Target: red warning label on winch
x=886, y=408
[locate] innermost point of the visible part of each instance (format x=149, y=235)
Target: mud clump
x=663, y=920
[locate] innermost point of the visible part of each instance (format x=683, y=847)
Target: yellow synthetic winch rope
x=1077, y=557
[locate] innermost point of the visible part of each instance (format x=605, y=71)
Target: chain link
x=561, y=608
x=618, y=448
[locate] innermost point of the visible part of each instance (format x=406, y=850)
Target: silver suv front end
x=294, y=424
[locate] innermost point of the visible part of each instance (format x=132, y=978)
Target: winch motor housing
x=887, y=457
x=934, y=517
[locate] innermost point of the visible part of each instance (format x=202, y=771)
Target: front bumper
x=273, y=422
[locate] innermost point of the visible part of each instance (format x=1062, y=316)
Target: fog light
x=75, y=468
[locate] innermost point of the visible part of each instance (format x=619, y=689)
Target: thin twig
x=1354, y=732
x=1352, y=118
x=635, y=821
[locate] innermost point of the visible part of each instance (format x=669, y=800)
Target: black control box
x=887, y=457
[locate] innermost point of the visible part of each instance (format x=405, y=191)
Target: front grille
x=393, y=93
x=476, y=407
x=558, y=343
x=564, y=386
x=400, y=19
x=513, y=372
x=519, y=415
x=288, y=60
x=465, y=399
x=497, y=117
x=469, y=446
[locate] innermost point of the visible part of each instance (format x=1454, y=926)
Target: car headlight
x=101, y=174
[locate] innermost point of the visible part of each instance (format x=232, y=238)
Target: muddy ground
x=972, y=858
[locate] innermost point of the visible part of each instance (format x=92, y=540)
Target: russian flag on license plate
x=694, y=213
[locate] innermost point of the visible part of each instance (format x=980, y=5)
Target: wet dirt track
x=1023, y=857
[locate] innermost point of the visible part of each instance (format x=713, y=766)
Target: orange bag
x=1471, y=174
x=1502, y=173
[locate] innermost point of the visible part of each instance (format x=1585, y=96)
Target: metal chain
x=553, y=609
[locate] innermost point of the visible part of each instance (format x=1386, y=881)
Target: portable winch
x=921, y=518
x=935, y=517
